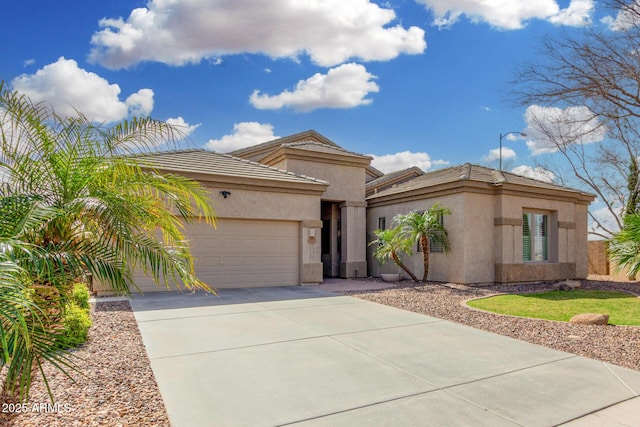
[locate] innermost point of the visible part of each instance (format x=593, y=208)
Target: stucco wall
x=353, y=252
x=478, y=241
x=567, y=239
x=442, y=267
x=346, y=182
x=485, y=231
x=261, y=204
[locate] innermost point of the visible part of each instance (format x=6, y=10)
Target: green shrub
x=80, y=295
x=77, y=322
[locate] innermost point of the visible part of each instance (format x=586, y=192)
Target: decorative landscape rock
x=590, y=319
x=390, y=277
x=562, y=287
x=567, y=285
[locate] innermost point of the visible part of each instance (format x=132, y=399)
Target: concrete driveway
x=296, y=355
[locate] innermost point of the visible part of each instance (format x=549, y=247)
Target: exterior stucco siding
x=346, y=182
x=442, y=266
x=256, y=204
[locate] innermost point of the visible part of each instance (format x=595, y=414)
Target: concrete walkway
x=305, y=356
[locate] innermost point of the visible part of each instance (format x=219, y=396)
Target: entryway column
x=353, y=231
x=310, y=244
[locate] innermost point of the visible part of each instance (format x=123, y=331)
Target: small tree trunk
x=400, y=264
x=632, y=186
x=424, y=244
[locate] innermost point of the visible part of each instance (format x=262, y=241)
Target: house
x=300, y=208
x=504, y=228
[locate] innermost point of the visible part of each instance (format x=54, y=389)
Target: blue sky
x=411, y=82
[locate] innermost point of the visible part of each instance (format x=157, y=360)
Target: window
x=382, y=223
x=535, y=232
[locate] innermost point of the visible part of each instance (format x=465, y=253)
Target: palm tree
x=390, y=244
x=624, y=247
x=29, y=335
x=76, y=197
x=425, y=227
x=112, y=213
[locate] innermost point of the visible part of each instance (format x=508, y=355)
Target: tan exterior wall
x=347, y=185
x=567, y=240
x=442, y=267
x=346, y=182
x=260, y=204
x=485, y=232
x=310, y=252
x=354, y=251
x=478, y=238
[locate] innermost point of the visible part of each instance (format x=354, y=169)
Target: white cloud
x=179, y=32
x=402, y=160
x=625, y=19
x=185, y=128
x=140, y=103
x=605, y=217
x=68, y=87
x=345, y=86
x=578, y=14
x=509, y=14
x=494, y=154
x=244, y=134
x=538, y=173
x=549, y=127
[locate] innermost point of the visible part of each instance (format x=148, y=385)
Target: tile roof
x=391, y=176
x=199, y=161
x=308, y=135
x=470, y=172
x=373, y=173
x=321, y=148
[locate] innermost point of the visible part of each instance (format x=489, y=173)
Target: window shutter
x=382, y=223
x=526, y=238
x=433, y=245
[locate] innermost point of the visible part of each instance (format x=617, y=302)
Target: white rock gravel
x=118, y=387
x=619, y=345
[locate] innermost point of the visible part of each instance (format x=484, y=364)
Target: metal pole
x=501, y=151
x=502, y=135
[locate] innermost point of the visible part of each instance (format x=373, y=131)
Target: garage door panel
x=243, y=253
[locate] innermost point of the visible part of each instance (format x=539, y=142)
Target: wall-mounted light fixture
x=225, y=193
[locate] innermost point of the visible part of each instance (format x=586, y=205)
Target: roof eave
x=262, y=184
x=295, y=153
x=454, y=187
x=262, y=150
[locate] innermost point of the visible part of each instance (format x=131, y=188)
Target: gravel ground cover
x=619, y=345
x=118, y=387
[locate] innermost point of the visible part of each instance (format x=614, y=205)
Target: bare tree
x=592, y=80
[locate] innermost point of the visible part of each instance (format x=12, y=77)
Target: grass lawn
x=622, y=308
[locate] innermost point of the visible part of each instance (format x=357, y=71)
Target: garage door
x=243, y=253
